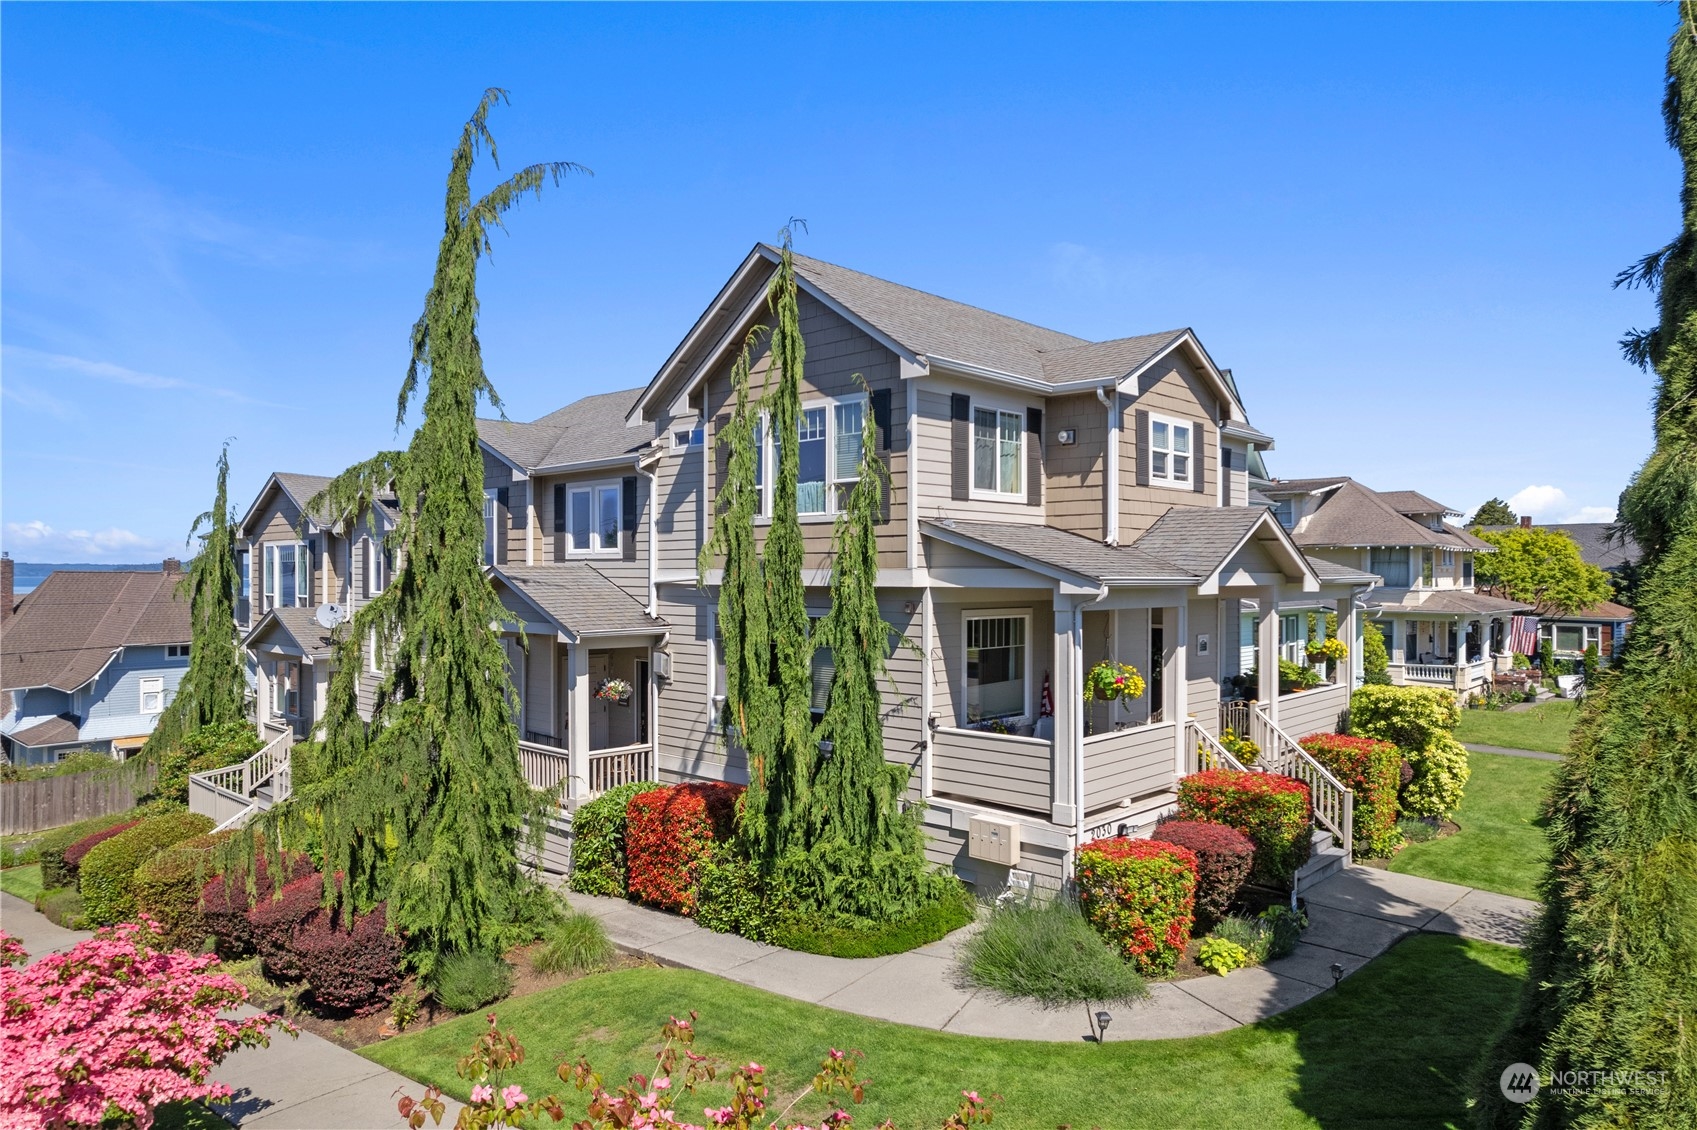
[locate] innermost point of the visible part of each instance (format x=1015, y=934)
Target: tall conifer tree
x=425, y=810
x=214, y=689
x=1612, y=978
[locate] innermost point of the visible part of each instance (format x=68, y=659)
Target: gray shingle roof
x=1064, y=550
x=299, y=625
x=303, y=488
x=1284, y=488
x=1355, y=515
x=585, y=430
x=58, y=730
x=64, y=633
x=1333, y=573
x=579, y=597
x=1199, y=538
x=1413, y=502
x=1454, y=602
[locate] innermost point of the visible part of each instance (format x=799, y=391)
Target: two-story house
x=1438, y=629
x=89, y=660
x=1053, y=503
x=293, y=563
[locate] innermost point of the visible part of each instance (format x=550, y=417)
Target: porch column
x=262, y=696
x=1066, y=751
x=577, y=719
x=1351, y=637
x=1268, y=638
x=1177, y=678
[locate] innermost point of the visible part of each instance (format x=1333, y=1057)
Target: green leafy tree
x=214, y=688
x=1493, y=512
x=1610, y=984
x=1542, y=568
x=1375, y=658
x=425, y=808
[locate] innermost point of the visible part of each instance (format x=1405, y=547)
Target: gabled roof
x=1413, y=502
x=578, y=599
x=58, y=730
x=300, y=490
x=1456, y=602
x=925, y=328
x=590, y=430
x=296, y=627
x=1331, y=573
x=1602, y=610
x=74, y=622
x=1203, y=539
x=1350, y=514
x=1603, y=544
x=1048, y=549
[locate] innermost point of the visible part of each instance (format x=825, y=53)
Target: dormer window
x=1169, y=451
x=1285, y=511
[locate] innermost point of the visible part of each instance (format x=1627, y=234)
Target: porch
x=598, y=700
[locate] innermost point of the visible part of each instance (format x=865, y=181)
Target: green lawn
x=1391, y=1047
x=1544, y=728
x=25, y=882
x=1501, y=843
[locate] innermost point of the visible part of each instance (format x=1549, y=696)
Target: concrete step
x=1325, y=859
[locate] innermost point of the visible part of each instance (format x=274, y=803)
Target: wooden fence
x=30, y=806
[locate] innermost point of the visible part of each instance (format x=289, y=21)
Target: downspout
x=653, y=478
x=1111, y=479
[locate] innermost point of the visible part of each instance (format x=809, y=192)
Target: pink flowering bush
x=649, y=1103
x=117, y=1025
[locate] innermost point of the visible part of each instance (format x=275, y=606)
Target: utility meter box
x=993, y=841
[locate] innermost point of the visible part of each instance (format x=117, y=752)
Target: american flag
x=1523, y=635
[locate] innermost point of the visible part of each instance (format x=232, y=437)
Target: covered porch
x=581, y=657
x=292, y=658
x=1454, y=640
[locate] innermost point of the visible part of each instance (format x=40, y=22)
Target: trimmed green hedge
x=943, y=917
x=598, y=841
x=167, y=887
x=108, y=873
x=51, y=846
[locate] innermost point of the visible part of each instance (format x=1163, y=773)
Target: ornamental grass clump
x=465, y=982
x=1272, y=810
x=669, y=836
x=1224, y=858
x=113, y=1029
x=1141, y=896
x=598, y=841
x=1047, y=952
x=576, y=945
x=1373, y=770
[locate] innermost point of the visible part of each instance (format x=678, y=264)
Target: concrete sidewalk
x=1535, y=755
x=1354, y=916
x=36, y=932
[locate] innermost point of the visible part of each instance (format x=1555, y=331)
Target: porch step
x=1325, y=860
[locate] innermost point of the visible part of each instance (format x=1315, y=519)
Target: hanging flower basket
x=613, y=690
x=1109, y=680
x=1331, y=651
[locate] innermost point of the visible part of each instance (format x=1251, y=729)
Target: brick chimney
x=172, y=565
x=6, y=588
x=1526, y=521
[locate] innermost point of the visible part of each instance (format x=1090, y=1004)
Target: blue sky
x=1397, y=224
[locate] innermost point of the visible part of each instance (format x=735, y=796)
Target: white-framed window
x=996, y=682
x=685, y=438
x=1573, y=639
x=1170, y=456
x=152, y=695
x=1467, y=569
x=176, y=651
x=244, y=587
x=288, y=574
x=592, y=518
x=1293, y=637
x=1448, y=559
x=1284, y=512
x=998, y=452
x=491, y=522
x=1391, y=563
x=285, y=688
x=829, y=447
x=373, y=657
x=374, y=561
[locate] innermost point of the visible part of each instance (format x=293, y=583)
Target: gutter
x=653, y=478
x=1112, y=478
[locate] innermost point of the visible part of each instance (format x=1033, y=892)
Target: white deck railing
x=1204, y=752
x=1334, y=805
x=544, y=766
x=610, y=768
x=229, y=795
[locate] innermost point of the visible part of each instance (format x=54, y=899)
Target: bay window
x=1169, y=451
x=998, y=451
x=997, y=661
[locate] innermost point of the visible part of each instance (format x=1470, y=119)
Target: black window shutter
x=627, y=517
x=1034, y=456
x=1199, y=463
x=560, y=508
x=521, y=520
x=960, y=446
x=881, y=417
x=1142, y=447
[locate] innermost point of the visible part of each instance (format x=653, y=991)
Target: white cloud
x=28, y=397
x=118, y=374
x=36, y=540
x=1539, y=501
x=1073, y=264
x=1592, y=514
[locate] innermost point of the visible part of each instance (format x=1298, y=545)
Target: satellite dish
x=329, y=615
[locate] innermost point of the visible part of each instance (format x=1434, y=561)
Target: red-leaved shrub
x=1141, y=896
x=272, y=922
x=1224, y=857
x=74, y=854
x=669, y=834
x=1373, y=769
x=224, y=902
x=1272, y=810
x=354, y=968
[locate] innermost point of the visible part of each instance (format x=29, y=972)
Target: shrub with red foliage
x=74, y=854
x=1373, y=770
x=1224, y=858
x=272, y=922
x=669, y=834
x=354, y=968
x=1272, y=810
x=1141, y=896
x=224, y=902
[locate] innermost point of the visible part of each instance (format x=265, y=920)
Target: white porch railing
x=1334, y=805
x=230, y=795
x=1204, y=752
x=610, y=768
x=544, y=766
x=1440, y=673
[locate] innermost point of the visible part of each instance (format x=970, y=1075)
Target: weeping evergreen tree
x=214, y=689
x=1612, y=977
x=425, y=808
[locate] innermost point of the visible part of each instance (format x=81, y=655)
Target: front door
x=600, y=669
